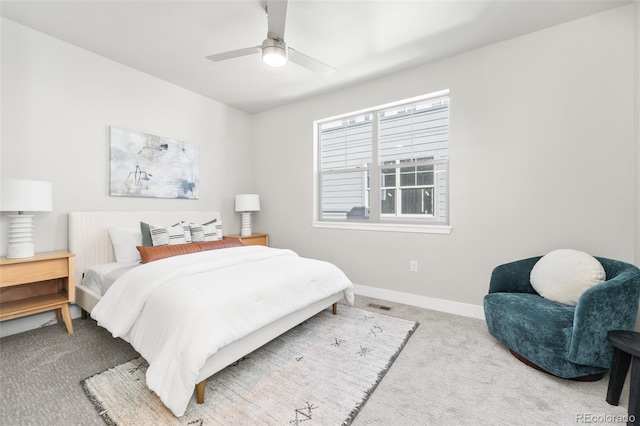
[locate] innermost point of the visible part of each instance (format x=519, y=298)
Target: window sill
x=386, y=227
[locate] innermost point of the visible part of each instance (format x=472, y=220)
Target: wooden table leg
x=634, y=393
x=66, y=315
x=619, y=367
x=58, y=315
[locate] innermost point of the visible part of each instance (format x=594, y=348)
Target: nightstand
x=41, y=283
x=250, y=240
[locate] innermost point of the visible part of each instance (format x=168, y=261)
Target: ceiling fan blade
x=234, y=54
x=277, y=17
x=310, y=63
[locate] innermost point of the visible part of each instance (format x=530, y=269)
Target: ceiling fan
x=275, y=51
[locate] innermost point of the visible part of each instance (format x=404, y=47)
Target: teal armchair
x=566, y=341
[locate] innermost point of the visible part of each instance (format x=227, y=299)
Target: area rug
x=319, y=373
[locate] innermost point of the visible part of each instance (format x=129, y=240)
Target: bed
x=90, y=241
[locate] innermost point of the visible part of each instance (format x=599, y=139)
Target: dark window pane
x=411, y=201
x=408, y=176
x=388, y=177
x=388, y=201
x=417, y=201
x=427, y=200
x=425, y=178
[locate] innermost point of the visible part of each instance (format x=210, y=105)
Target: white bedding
x=177, y=312
x=100, y=278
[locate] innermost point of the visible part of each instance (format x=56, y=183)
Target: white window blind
x=344, y=161
x=400, y=151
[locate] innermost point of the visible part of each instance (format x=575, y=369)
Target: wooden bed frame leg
x=200, y=392
x=334, y=308
x=83, y=314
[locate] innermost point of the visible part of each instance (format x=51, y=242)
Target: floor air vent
x=376, y=306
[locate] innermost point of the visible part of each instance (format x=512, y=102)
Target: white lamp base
x=245, y=229
x=20, y=236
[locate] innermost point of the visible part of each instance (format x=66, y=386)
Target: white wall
x=57, y=104
x=541, y=157
x=542, y=151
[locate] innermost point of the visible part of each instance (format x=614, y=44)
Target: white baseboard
x=18, y=325
x=442, y=305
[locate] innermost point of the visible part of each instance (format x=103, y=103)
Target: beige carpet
x=451, y=372
x=321, y=372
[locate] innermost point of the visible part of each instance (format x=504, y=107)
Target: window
x=385, y=165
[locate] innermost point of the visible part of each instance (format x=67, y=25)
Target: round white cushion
x=563, y=275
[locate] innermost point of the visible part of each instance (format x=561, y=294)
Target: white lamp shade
x=247, y=203
x=21, y=195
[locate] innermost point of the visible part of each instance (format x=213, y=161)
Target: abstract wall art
x=144, y=165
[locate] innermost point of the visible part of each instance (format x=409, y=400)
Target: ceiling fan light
x=274, y=57
x=274, y=53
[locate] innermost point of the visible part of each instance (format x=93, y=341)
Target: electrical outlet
x=413, y=265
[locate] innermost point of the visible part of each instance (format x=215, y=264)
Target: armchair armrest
x=513, y=277
x=611, y=305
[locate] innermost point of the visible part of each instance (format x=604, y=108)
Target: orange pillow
x=151, y=253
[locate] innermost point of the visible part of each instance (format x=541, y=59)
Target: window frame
x=380, y=222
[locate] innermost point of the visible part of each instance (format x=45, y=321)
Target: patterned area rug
x=318, y=373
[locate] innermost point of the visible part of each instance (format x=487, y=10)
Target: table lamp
x=20, y=195
x=245, y=204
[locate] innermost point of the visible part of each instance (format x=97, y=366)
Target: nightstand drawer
x=255, y=241
x=15, y=274
x=250, y=240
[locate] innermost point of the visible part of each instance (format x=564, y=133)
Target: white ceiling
x=362, y=39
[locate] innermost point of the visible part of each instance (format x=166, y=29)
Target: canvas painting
x=144, y=165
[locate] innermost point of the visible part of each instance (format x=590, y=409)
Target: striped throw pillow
x=206, y=231
x=167, y=235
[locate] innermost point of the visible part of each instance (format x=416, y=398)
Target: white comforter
x=179, y=311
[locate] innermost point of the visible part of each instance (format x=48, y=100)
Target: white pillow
x=124, y=241
x=563, y=275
